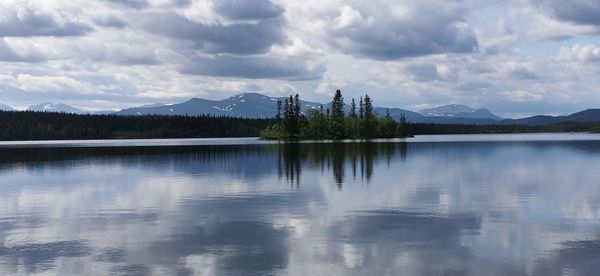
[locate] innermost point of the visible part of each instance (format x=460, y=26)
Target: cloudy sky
x=515, y=57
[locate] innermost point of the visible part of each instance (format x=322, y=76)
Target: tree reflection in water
x=336, y=157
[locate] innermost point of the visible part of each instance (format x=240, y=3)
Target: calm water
x=437, y=205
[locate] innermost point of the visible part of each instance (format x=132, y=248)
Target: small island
x=320, y=123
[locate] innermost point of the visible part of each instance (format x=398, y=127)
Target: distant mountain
x=4, y=107
x=459, y=111
x=586, y=116
x=59, y=107
x=101, y=112
x=255, y=105
x=247, y=105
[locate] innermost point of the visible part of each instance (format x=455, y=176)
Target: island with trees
x=321, y=123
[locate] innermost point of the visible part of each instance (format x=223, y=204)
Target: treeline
x=26, y=125
x=428, y=128
x=318, y=124
x=290, y=124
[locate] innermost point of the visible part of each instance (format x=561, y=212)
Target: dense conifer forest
x=424, y=128
x=26, y=125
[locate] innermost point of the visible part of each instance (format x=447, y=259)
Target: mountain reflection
x=338, y=158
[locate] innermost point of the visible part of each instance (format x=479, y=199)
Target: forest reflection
x=345, y=160
x=356, y=159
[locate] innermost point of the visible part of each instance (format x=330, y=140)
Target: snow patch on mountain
x=4, y=107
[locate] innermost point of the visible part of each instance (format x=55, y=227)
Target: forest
x=25, y=125
x=319, y=124
x=426, y=128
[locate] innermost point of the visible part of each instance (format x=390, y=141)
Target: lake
x=431, y=205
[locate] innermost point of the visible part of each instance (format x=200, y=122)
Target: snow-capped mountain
x=247, y=105
x=58, y=107
x=4, y=107
x=459, y=111
x=255, y=105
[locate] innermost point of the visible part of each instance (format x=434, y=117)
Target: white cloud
x=523, y=96
x=49, y=84
x=579, y=53
x=348, y=17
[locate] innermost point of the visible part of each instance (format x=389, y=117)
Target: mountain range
x=459, y=111
x=50, y=107
x=4, y=107
x=255, y=105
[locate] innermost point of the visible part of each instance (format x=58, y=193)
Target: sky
x=515, y=57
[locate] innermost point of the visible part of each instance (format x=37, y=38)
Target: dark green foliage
x=387, y=126
x=402, y=128
x=335, y=125
x=337, y=116
x=369, y=121
x=361, y=110
x=291, y=118
x=317, y=126
x=61, y=126
x=353, y=110
x=423, y=128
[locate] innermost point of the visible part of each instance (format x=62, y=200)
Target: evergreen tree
x=368, y=122
x=387, y=126
x=297, y=117
x=287, y=118
x=352, y=123
x=278, y=116
x=402, y=127
x=317, y=126
x=353, y=110
x=361, y=111
x=337, y=116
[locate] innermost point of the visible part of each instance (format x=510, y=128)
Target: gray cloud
x=254, y=67
x=241, y=38
x=522, y=73
x=135, y=4
x=423, y=72
x=142, y=4
x=584, y=12
x=10, y=55
x=382, y=35
x=245, y=9
x=112, y=21
x=28, y=22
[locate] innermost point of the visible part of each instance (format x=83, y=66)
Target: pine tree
x=361, y=111
x=402, y=127
x=278, y=116
x=317, y=126
x=369, y=123
x=337, y=116
x=297, y=115
x=387, y=126
x=353, y=110
x=286, y=119
x=352, y=123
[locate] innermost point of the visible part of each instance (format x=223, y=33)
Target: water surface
x=432, y=205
